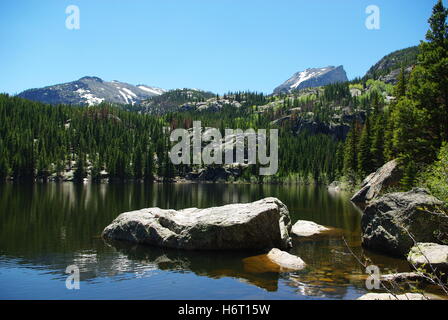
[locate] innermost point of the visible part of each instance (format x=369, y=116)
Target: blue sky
x=216, y=45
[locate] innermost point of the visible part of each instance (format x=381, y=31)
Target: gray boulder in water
x=286, y=261
x=429, y=256
x=258, y=225
x=391, y=224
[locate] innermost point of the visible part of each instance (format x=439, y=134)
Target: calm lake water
x=46, y=227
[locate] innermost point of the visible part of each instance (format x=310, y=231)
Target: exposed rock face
x=338, y=131
x=388, y=222
x=389, y=67
x=386, y=176
x=431, y=256
x=258, y=225
x=214, y=174
x=303, y=228
x=286, y=261
x=392, y=77
x=314, y=77
x=404, y=296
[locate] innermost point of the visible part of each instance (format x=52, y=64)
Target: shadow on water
x=211, y=264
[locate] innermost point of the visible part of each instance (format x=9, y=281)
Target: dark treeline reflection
x=50, y=226
x=42, y=218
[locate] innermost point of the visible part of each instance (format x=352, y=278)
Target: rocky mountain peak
x=312, y=77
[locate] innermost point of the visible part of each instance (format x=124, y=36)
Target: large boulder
x=392, y=223
x=258, y=225
x=386, y=176
x=431, y=256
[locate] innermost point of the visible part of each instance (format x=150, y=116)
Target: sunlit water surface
x=46, y=227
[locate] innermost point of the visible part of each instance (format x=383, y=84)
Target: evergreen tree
x=428, y=87
x=80, y=171
x=138, y=164
x=350, y=153
x=400, y=88
x=378, y=136
x=364, y=161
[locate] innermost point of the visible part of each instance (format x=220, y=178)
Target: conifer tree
x=364, y=161
x=80, y=171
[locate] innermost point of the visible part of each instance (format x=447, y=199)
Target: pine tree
x=80, y=171
x=138, y=164
x=428, y=84
x=350, y=153
x=400, y=88
x=149, y=166
x=364, y=161
x=4, y=168
x=378, y=136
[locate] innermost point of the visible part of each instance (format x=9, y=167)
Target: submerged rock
x=391, y=223
x=386, y=176
x=303, y=228
x=430, y=256
x=402, y=277
x=285, y=260
x=258, y=225
x=335, y=186
x=404, y=296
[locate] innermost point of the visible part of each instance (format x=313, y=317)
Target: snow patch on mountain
x=92, y=91
x=90, y=99
x=153, y=90
x=313, y=77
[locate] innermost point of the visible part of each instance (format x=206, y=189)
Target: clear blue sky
x=216, y=45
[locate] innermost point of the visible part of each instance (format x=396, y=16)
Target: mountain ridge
x=91, y=90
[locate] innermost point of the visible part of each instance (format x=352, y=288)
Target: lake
x=46, y=227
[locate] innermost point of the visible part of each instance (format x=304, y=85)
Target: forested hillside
x=340, y=131
x=414, y=128
x=44, y=142
x=387, y=68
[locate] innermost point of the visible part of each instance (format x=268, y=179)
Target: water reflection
x=50, y=226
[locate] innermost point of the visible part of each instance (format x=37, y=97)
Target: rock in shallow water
x=303, y=228
x=258, y=225
x=431, y=256
x=274, y=261
x=286, y=261
x=390, y=224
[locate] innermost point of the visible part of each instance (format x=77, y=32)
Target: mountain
x=314, y=77
x=91, y=91
x=388, y=68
